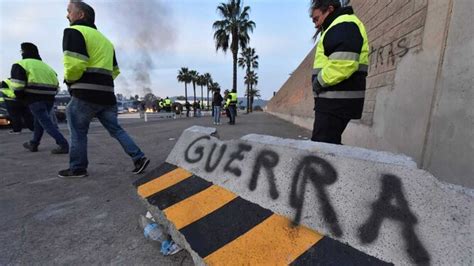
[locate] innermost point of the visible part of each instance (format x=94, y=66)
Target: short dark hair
x=89, y=13
x=324, y=5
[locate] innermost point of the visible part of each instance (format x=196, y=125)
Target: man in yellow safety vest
x=339, y=70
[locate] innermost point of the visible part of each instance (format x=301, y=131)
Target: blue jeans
x=232, y=111
x=41, y=113
x=217, y=114
x=79, y=114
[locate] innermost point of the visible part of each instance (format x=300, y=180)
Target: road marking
x=163, y=182
x=275, y=241
x=198, y=206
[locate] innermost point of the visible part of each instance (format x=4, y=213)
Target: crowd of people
x=227, y=104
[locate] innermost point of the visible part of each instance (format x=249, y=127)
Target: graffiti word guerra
x=312, y=170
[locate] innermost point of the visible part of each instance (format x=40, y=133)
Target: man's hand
x=317, y=88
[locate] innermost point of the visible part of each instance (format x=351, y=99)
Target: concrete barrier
x=377, y=203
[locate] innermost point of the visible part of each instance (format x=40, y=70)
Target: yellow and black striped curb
x=223, y=228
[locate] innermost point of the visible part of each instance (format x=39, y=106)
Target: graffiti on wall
x=312, y=170
x=386, y=55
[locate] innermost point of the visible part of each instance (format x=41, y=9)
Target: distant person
x=177, y=109
x=161, y=105
x=232, y=106
x=340, y=69
x=167, y=104
x=90, y=67
x=187, y=105
x=217, y=103
x=18, y=111
x=198, y=108
x=226, y=106
x=36, y=84
x=195, y=108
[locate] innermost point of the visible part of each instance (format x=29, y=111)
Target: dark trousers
x=20, y=115
x=232, y=112
x=328, y=128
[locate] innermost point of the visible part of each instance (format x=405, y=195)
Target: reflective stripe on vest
x=42, y=79
x=94, y=87
x=342, y=94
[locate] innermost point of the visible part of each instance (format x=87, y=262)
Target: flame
x=149, y=110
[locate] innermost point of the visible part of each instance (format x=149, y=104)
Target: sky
x=155, y=38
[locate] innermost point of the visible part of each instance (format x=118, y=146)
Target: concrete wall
x=419, y=89
x=450, y=143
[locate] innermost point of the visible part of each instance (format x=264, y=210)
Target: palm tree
x=214, y=86
x=194, y=77
x=183, y=76
x=250, y=80
x=248, y=60
x=208, y=79
x=253, y=93
x=235, y=25
x=201, y=81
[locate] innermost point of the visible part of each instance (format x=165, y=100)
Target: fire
x=149, y=110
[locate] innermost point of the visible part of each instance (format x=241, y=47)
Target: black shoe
x=30, y=147
x=68, y=173
x=60, y=150
x=140, y=165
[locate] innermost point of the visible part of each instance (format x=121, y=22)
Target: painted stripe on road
x=198, y=206
x=331, y=252
x=221, y=227
x=275, y=241
x=180, y=191
x=157, y=172
x=163, y=182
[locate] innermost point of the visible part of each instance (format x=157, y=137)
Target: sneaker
x=11, y=132
x=68, y=173
x=30, y=147
x=60, y=150
x=140, y=165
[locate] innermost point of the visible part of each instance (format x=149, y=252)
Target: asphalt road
x=47, y=220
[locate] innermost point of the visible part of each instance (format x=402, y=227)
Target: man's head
x=78, y=10
x=29, y=50
x=321, y=9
